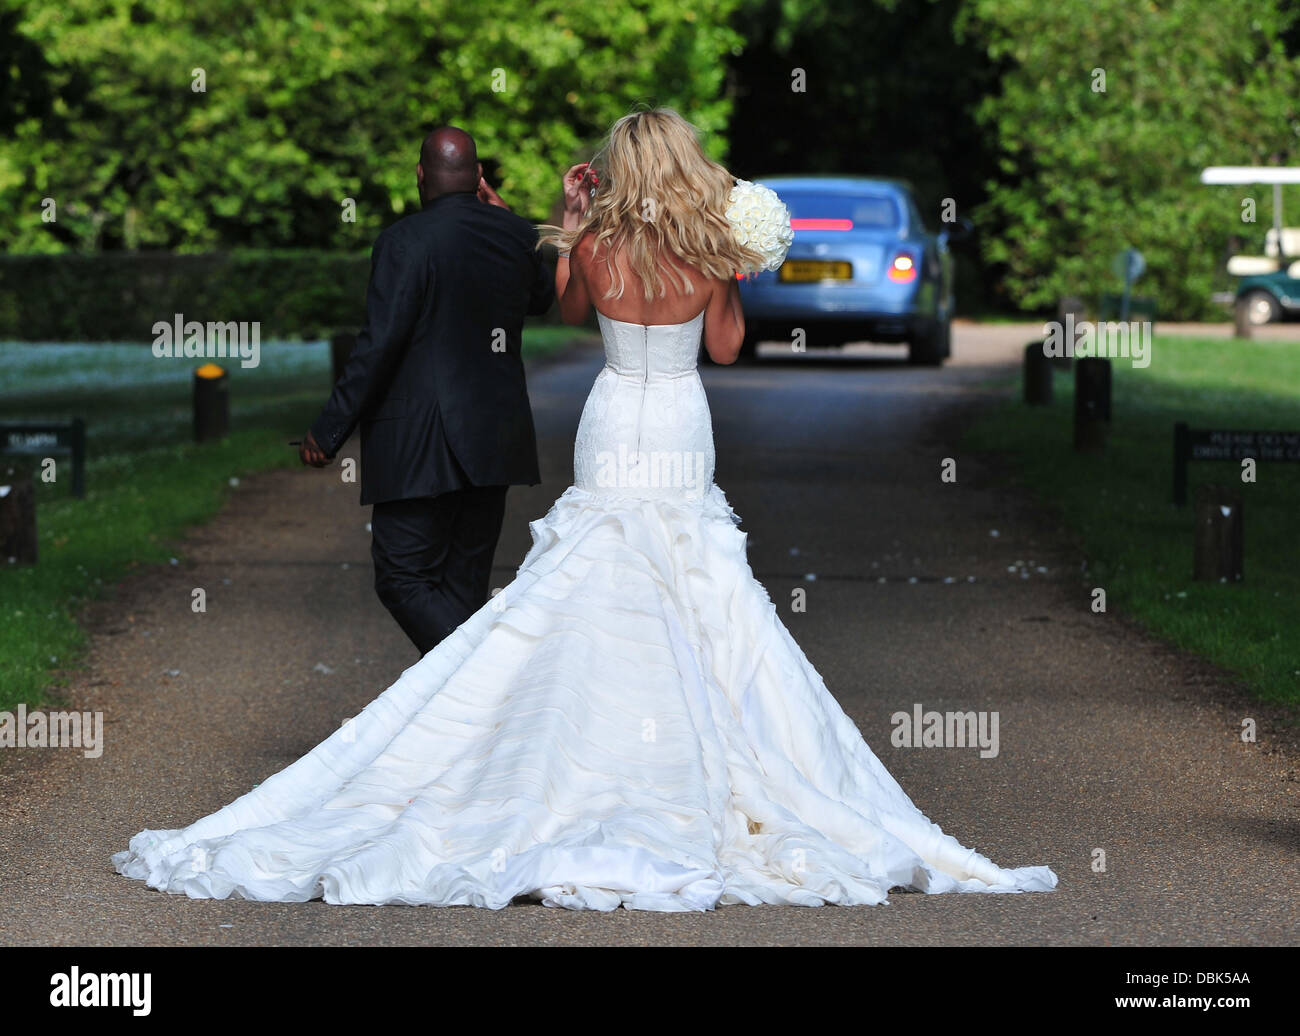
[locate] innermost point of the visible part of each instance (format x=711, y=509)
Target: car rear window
x=862, y=210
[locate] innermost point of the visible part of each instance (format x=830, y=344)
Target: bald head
x=448, y=162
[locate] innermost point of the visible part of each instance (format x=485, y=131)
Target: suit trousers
x=433, y=558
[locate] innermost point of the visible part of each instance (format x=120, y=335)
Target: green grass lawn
x=146, y=481
x=1138, y=544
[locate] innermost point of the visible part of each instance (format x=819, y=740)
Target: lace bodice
x=646, y=430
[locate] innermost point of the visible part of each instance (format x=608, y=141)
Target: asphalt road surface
x=1120, y=763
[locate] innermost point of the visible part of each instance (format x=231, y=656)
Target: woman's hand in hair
x=578, y=182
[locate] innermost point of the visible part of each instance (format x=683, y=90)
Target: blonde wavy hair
x=658, y=192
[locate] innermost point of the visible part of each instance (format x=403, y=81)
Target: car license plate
x=804, y=270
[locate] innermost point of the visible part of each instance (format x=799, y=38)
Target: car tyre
x=930, y=347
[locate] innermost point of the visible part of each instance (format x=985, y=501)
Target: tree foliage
x=991, y=103
x=1082, y=172
x=306, y=105
x=886, y=90
x=866, y=88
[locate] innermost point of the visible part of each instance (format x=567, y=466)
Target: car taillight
x=821, y=224
x=903, y=269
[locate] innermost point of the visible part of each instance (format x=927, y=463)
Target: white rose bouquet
x=760, y=221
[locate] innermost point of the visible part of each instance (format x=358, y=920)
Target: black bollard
x=1038, y=375
x=17, y=516
x=211, y=403
x=1091, y=403
x=341, y=346
x=1219, y=535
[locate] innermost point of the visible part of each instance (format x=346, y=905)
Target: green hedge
x=117, y=296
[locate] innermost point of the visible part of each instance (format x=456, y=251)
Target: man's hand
x=487, y=194
x=310, y=453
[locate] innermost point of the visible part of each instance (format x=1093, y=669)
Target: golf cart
x=1269, y=284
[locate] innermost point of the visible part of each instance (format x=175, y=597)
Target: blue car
x=863, y=267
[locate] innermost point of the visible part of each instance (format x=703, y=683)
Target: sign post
x=1130, y=265
x=17, y=516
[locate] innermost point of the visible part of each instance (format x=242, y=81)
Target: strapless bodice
x=649, y=352
x=645, y=430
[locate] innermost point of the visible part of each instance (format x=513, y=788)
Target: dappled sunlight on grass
x=1138, y=544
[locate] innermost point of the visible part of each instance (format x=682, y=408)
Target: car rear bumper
x=887, y=312
x=783, y=301
x=823, y=330
x=848, y=314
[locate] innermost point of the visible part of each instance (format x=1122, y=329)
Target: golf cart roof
x=1229, y=174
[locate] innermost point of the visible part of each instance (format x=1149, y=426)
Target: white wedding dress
x=628, y=722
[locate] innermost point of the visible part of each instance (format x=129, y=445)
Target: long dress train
x=627, y=723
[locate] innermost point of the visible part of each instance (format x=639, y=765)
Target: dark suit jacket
x=436, y=380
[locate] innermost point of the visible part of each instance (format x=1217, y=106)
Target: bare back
x=717, y=299
x=674, y=307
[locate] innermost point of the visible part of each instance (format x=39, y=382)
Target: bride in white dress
x=628, y=722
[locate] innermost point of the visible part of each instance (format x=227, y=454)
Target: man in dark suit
x=436, y=383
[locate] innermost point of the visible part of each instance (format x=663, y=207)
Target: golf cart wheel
x=1262, y=308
